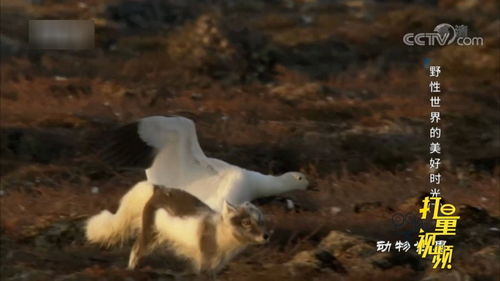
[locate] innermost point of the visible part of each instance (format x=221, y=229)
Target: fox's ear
x=228, y=208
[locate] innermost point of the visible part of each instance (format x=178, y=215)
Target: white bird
x=168, y=147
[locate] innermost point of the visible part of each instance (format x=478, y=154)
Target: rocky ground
x=324, y=87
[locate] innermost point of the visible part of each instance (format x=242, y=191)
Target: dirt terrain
x=324, y=87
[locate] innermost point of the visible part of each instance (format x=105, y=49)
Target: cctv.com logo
x=444, y=34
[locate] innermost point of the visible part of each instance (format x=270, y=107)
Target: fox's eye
x=246, y=223
x=299, y=178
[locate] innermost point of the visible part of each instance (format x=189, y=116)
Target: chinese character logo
x=446, y=225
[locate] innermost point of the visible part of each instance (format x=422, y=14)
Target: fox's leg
x=135, y=254
x=206, y=269
x=145, y=238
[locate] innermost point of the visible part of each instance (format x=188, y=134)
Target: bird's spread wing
x=169, y=148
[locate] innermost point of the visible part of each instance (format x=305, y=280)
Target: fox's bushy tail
x=109, y=229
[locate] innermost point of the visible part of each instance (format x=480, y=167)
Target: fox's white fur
x=110, y=229
x=184, y=230
x=183, y=237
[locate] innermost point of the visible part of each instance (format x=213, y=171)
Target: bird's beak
x=312, y=186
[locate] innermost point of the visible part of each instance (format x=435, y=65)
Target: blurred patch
x=61, y=34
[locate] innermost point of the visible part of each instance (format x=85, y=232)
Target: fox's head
x=247, y=222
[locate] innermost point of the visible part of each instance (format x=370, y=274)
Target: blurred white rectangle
x=61, y=34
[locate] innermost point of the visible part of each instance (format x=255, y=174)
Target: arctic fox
x=156, y=216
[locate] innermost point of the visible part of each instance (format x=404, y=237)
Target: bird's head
x=295, y=180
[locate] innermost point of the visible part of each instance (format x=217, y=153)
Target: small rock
x=335, y=210
x=307, y=19
x=305, y=260
x=293, y=92
x=366, y=206
x=60, y=78
x=196, y=96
